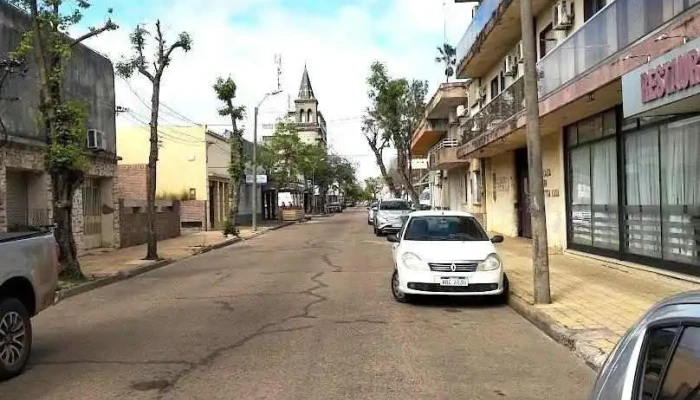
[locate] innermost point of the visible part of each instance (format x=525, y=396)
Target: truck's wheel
x=15, y=337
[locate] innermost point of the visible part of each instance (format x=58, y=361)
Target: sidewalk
x=593, y=302
x=101, y=264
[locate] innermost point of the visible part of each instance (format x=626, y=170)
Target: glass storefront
x=651, y=167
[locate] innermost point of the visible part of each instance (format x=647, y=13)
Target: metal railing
x=612, y=29
x=508, y=103
x=482, y=16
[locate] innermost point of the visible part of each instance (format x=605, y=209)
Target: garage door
x=16, y=198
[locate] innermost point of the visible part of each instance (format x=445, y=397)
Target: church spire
x=306, y=92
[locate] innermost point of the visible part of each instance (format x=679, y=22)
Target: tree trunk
x=62, y=200
x=151, y=237
x=238, y=167
x=382, y=169
x=540, y=258
x=403, y=162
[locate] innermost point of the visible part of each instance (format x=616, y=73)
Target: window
x=591, y=8
x=659, y=346
x=445, y=228
x=494, y=87
x=548, y=40
x=394, y=205
x=682, y=380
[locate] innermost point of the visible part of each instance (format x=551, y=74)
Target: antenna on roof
x=278, y=61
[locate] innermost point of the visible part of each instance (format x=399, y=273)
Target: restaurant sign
x=666, y=80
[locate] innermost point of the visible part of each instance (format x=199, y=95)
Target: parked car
x=28, y=280
x=446, y=253
x=371, y=208
x=658, y=357
x=334, y=207
x=389, y=215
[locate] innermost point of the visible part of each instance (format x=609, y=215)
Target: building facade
x=25, y=186
x=618, y=119
x=192, y=167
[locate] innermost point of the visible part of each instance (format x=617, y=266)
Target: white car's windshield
x=394, y=205
x=450, y=228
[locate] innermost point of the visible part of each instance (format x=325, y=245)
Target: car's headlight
x=492, y=262
x=412, y=261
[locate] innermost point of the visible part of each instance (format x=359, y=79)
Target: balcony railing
x=615, y=27
x=508, y=103
x=434, y=154
x=444, y=143
x=481, y=18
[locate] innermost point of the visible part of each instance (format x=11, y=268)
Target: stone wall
x=132, y=181
x=134, y=221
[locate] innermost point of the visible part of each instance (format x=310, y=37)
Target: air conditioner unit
x=519, y=53
x=562, y=15
x=96, y=140
x=510, y=66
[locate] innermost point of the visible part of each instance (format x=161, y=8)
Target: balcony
x=428, y=133
x=614, y=28
x=443, y=155
x=507, y=104
x=496, y=27
x=446, y=99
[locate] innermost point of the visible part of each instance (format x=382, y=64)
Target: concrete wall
x=501, y=194
x=134, y=222
x=218, y=156
x=89, y=77
x=555, y=198
x=182, y=158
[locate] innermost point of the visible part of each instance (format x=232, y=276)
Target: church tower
x=310, y=122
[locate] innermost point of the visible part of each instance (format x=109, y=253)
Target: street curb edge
x=124, y=275
x=591, y=355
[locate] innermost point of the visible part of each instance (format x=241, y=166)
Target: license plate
x=453, y=282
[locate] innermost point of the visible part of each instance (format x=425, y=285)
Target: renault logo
x=453, y=267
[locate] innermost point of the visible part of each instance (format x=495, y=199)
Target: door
x=92, y=214
x=16, y=200
x=523, y=204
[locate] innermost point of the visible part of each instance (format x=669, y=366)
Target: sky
x=336, y=39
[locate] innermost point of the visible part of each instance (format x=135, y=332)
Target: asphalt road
x=304, y=312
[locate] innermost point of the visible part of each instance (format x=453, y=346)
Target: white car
x=371, y=208
x=446, y=253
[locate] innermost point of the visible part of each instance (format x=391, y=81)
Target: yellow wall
x=501, y=195
x=182, y=159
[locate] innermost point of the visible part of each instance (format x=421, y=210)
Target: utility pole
x=540, y=257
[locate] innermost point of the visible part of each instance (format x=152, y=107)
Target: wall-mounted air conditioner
x=510, y=66
x=562, y=15
x=96, y=140
x=482, y=93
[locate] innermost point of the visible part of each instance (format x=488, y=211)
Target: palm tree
x=448, y=56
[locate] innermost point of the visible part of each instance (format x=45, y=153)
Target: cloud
x=240, y=39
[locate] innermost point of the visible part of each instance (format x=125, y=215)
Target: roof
x=441, y=213
x=306, y=92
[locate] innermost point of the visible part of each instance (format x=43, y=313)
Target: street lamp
x=255, y=158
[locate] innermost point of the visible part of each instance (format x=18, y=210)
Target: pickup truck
x=28, y=280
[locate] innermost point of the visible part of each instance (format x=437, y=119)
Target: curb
x=126, y=274
x=590, y=354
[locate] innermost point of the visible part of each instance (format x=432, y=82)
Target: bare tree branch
x=108, y=26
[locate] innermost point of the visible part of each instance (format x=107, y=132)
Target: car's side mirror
x=374, y=208
x=392, y=238
x=497, y=239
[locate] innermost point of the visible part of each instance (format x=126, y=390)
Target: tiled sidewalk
x=593, y=302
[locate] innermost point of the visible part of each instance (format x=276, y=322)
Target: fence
x=134, y=221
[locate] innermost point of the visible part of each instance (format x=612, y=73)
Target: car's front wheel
x=399, y=296
x=503, y=297
x=15, y=337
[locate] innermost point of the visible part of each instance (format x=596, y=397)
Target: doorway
x=523, y=195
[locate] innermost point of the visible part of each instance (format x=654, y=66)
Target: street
x=304, y=312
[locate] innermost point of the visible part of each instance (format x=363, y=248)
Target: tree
x=373, y=186
x=8, y=68
x=139, y=63
x=282, y=155
x=226, y=92
x=376, y=139
x=64, y=121
x=448, y=56
x=398, y=108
